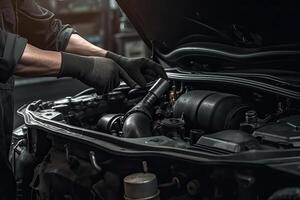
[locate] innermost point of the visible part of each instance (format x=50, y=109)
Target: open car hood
x=236, y=31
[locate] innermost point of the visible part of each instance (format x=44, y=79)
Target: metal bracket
x=94, y=162
x=67, y=147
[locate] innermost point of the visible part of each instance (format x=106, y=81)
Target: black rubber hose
x=138, y=121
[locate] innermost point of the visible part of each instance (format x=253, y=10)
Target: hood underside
x=258, y=25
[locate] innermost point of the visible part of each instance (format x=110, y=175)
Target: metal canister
x=141, y=186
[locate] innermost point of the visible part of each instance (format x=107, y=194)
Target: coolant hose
x=138, y=121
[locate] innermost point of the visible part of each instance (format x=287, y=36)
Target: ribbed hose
x=138, y=121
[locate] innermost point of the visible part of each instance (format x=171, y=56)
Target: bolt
x=193, y=187
x=251, y=116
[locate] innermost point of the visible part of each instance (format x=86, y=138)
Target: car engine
x=171, y=140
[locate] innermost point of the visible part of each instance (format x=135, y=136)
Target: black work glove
x=141, y=70
x=101, y=73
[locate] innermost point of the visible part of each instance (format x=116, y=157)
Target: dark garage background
x=100, y=22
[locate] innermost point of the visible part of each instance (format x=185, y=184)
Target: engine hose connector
x=138, y=121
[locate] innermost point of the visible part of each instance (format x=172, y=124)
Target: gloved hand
x=141, y=70
x=101, y=73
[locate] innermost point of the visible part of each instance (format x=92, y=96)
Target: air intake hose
x=138, y=121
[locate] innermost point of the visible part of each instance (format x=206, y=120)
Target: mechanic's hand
x=141, y=70
x=101, y=73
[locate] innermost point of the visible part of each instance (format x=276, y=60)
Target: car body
x=224, y=126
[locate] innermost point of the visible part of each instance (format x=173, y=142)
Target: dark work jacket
x=21, y=21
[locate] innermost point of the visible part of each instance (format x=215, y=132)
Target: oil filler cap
x=141, y=186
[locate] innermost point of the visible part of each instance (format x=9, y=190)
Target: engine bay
x=212, y=121
x=171, y=140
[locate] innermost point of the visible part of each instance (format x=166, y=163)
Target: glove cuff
x=115, y=57
x=74, y=65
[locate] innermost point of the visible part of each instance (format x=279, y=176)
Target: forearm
x=37, y=62
x=80, y=46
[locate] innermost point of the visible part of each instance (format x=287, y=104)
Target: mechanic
x=35, y=43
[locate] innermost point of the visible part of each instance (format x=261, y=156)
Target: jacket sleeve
x=41, y=28
x=11, y=49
